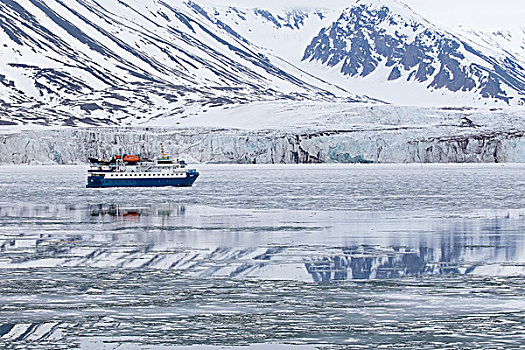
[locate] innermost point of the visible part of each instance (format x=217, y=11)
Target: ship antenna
x=162, y=150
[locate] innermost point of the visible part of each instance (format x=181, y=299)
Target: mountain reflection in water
x=204, y=242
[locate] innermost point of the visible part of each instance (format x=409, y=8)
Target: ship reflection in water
x=116, y=212
x=201, y=242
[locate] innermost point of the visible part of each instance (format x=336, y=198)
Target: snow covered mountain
x=131, y=62
x=85, y=62
x=385, y=41
x=385, y=50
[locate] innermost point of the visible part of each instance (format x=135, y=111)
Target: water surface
x=314, y=256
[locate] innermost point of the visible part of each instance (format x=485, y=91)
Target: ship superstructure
x=133, y=171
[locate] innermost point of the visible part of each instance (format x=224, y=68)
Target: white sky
x=478, y=14
x=484, y=14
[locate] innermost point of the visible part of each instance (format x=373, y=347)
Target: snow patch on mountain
x=282, y=31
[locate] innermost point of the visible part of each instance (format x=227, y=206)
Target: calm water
x=304, y=257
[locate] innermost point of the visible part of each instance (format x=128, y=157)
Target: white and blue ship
x=132, y=171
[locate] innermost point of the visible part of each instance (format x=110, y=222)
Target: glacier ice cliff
x=387, y=144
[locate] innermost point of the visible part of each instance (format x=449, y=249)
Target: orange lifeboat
x=129, y=158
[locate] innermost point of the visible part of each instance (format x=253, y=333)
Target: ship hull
x=95, y=181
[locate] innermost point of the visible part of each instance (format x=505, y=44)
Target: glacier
x=291, y=133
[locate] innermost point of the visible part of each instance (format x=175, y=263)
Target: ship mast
x=162, y=153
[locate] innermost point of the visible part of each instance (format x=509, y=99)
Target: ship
x=128, y=170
